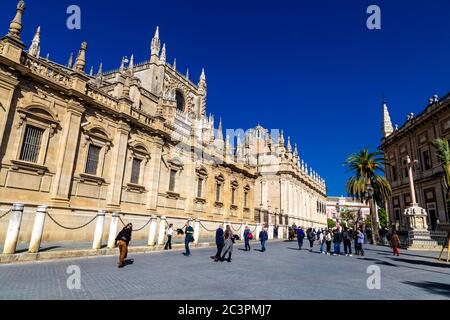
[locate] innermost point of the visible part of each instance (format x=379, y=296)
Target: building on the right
x=415, y=139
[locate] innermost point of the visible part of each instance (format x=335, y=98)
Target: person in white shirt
x=169, y=233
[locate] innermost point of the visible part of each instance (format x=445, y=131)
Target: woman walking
x=322, y=242
x=395, y=240
x=228, y=244
x=169, y=233
x=360, y=239
x=247, y=236
x=328, y=241
x=124, y=238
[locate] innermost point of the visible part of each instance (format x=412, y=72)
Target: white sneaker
x=350, y=255
x=346, y=255
x=323, y=252
x=334, y=254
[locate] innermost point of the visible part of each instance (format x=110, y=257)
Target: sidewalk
x=70, y=249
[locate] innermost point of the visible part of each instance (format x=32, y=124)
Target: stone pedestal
x=419, y=236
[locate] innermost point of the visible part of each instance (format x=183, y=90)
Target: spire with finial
x=15, y=27
x=156, y=44
x=220, y=131
x=387, y=124
x=295, y=150
x=282, y=138
x=80, y=63
x=47, y=57
x=175, y=64
x=122, y=65
x=131, y=65
x=35, y=48
x=99, y=76
x=70, y=62
x=202, y=81
x=91, y=72
x=289, y=146
x=187, y=74
x=163, y=57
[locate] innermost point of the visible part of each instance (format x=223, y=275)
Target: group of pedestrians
x=225, y=240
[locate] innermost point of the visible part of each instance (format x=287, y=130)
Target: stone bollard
x=113, y=230
x=242, y=230
x=196, y=230
x=38, y=229
x=270, y=231
x=152, y=232
x=13, y=229
x=258, y=230
x=97, y=243
x=280, y=232
x=162, y=230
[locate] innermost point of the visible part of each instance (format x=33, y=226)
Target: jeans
x=263, y=245
x=361, y=249
x=247, y=244
x=168, y=243
x=328, y=246
x=321, y=246
x=311, y=244
x=186, y=246
x=219, y=250
x=347, y=246
x=337, y=248
x=300, y=243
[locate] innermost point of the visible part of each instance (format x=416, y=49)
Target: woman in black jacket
x=124, y=238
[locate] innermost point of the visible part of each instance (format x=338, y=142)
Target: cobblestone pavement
x=282, y=272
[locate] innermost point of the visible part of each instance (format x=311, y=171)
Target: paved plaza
x=282, y=272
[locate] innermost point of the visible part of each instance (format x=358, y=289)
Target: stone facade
x=135, y=140
x=337, y=204
x=414, y=139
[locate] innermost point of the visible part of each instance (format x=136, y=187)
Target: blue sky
x=311, y=68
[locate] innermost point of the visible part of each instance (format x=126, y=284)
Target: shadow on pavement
x=423, y=263
x=432, y=287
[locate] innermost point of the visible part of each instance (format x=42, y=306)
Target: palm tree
x=367, y=169
x=443, y=154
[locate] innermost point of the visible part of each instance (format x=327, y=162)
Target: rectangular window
x=173, y=174
x=93, y=159
x=426, y=160
x=397, y=214
x=405, y=169
x=394, y=173
x=199, y=187
x=31, y=144
x=233, y=195
x=218, y=192
x=136, y=170
x=245, y=199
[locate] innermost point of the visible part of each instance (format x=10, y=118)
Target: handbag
x=192, y=239
x=250, y=236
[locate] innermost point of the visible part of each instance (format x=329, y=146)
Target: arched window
x=179, y=97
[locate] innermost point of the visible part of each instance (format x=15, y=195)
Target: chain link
x=201, y=224
x=136, y=230
x=70, y=228
x=3, y=215
x=236, y=230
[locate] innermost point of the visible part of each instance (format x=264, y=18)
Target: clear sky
x=311, y=67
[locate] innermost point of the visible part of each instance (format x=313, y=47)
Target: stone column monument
x=419, y=236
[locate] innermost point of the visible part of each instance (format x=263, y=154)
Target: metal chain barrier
x=136, y=230
x=70, y=228
x=252, y=231
x=3, y=215
x=236, y=230
x=201, y=224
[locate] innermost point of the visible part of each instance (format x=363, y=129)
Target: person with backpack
x=228, y=244
x=337, y=240
x=263, y=237
x=346, y=237
x=247, y=237
x=169, y=233
x=300, y=237
x=188, y=238
x=395, y=241
x=219, y=243
x=328, y=239
x=311, y=235
x=123, y=239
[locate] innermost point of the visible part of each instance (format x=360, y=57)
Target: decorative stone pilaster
x=153, y=173
x=38, y=229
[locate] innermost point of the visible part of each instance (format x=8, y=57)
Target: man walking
x=311, y=237
x=124, y=238
x=188, y=238
x=169, y=233
x=247, y=236
x=263, y=237
x=360, y=238
x=300, y=237
x=219, y=242
x=346, y=236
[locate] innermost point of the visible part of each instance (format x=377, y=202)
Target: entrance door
x=432, y=215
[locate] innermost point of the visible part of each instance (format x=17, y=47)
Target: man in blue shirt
x=219, y=243
x=263, y=237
